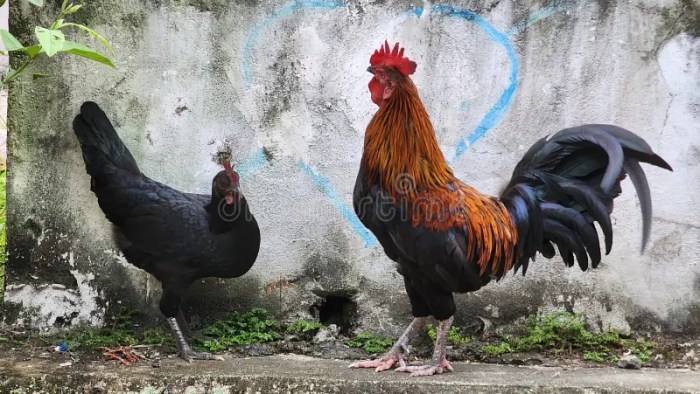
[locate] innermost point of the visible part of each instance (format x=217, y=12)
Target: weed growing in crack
x=304, y=328
x=252, y=327
x=564, y=331
x=370, y=343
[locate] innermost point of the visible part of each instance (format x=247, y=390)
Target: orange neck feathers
x=400, y=146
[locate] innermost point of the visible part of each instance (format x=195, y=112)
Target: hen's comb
x=229, y=170
x=385, y=56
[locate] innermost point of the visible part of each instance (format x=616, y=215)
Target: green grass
x=370, y=343
x=304, y=328
x=252, y=327
x=118, y=332
x=566, y=331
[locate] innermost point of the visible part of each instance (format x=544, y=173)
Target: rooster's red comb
x=229, y=170
x=385, y=56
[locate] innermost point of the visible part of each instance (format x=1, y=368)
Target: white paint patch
x=48, y=303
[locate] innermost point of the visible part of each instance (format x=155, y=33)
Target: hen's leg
x=184, y=346
x=398, y=352
x=170, y=306
x=439, y=363
x=183, y=324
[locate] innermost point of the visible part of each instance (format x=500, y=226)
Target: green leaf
x=11, y=43
x=63, y=5
x=2, y=3
x=72, y=9
x=38, y=3
x=39, y=75
x=33, y=50
x=94, y=34
x=51, y=40
x=83, y=51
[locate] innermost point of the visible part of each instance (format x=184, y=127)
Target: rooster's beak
x=370, y=70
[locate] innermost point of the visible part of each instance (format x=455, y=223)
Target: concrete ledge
x=292, y=374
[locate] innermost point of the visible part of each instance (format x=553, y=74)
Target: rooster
x=177, y=237
x=447, y=237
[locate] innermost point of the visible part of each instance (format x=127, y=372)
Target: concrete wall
x=284, y=84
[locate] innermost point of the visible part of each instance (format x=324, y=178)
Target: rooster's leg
x=398, y=352
x=184, y=346
x=439, y=363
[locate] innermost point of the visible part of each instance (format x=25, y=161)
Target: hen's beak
x=370, y=70
x=232, y=196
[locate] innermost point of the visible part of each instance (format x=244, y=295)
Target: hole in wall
x=336, y=309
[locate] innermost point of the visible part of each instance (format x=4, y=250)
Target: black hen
x=177, y=237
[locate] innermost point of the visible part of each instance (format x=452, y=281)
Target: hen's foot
x=190, y=356
x=427, y=370
x=381, y=364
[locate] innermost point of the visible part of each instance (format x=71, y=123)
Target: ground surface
x=293, y=365
x=295, y=373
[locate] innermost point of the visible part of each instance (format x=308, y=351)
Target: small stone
x=629, y=361
x=99, y=387
x=326, y=334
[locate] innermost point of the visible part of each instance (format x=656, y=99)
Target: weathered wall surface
x=285, y=84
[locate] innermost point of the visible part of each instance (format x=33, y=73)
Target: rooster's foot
x=427, y=370
x=398, y=353
x=381, y=364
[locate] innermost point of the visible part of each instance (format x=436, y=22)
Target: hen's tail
x=104, y=152
x=567, y=182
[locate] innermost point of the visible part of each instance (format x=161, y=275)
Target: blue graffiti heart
x=488, y=122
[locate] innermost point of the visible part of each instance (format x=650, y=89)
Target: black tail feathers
x=567, y=182
x=103, y=151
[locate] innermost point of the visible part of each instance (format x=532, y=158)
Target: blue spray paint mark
x=490, y=120
x=327, y=188
x=251, y=164
x=542, y=13
x=282, y=12
x=494, y=115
